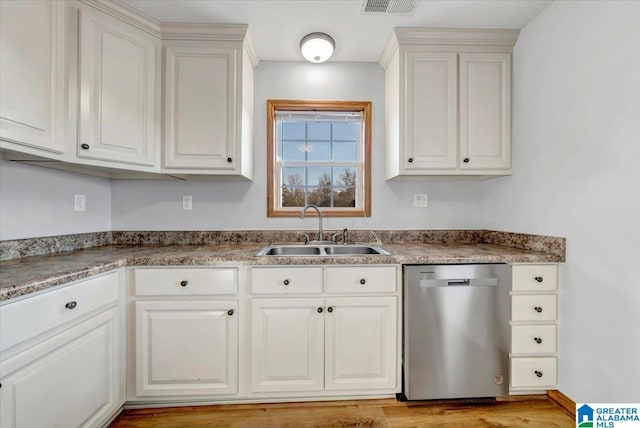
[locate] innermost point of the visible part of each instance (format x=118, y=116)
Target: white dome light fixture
x=317, y=47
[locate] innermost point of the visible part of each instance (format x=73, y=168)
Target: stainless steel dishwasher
x=456, y=331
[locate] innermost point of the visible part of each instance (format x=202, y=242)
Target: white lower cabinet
x=71, y=375
x=360, y=343
x=533, y=327
x=327, y=345
x=287, y=344
x=185, y=332
x=186, y=347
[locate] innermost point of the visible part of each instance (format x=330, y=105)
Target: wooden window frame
x=300, y=105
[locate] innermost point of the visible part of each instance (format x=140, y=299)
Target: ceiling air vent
x=394, y=7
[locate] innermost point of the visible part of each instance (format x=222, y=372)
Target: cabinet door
x=287, y=344
x=31, y=69
x=361, y=343
x=70, y=380
x=485, y=111
x=430, y=111
x=117, y=90
x=201, y=96
x=186, y=347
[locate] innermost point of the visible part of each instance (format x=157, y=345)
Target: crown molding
x=176, y=30
x=454, y=36
x=251, y=51
x=389, y=50
x=127, y=14
x=205, y=32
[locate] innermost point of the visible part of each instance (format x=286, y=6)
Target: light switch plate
x=187, y=202
x=420, y=200
x=79, y=202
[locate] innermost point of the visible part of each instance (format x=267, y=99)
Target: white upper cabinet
x=208, y=105
x=431, y=111
x=118, y=93
x=448, y=102
x=485, y=110
x=32, y=88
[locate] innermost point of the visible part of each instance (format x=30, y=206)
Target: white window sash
x=318, y=117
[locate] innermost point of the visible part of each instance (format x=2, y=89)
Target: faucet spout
x=315, y=207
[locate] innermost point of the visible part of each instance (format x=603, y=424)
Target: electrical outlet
x=420, y=200
x=187, y=203
x=79, y=202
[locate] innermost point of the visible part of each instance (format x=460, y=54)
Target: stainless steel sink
x=322, y=250
x=293, y=250
x=354, y=250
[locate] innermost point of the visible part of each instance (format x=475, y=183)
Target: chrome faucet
x=315, y=207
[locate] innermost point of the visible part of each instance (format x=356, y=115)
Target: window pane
x=319, y=151
x=344, y=151
x=320, y=196
x=319, y=130
x=293, y=177
x=319, y=176
x=344, y=197
x=347, y=177
x=293, y=150
x=293, y=130
x=346, y=131
x=293, y=196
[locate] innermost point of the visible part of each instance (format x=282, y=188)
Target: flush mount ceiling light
x=317, y=47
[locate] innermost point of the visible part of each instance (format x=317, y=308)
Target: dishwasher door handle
x=459, y=282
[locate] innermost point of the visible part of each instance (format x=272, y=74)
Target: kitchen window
x=319, y=152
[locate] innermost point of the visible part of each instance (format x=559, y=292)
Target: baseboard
x=113, y=420
x=567, y=404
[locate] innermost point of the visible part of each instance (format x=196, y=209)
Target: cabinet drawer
x=533, y=339
x=536, y=372
x=534, y=277
x=28, y=318
x=349, y=279
x=533, y=307
x=186, y=281
x=284, y=280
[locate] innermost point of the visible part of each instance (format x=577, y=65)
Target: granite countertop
x=22, y=276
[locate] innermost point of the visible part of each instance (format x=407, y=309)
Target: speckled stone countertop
x=22, y=276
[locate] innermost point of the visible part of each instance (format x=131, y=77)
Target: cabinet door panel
x=31, y=60
x=485, y=110
x=287, y=345
x=71, y=380
x=361, y=342
x=430, y=111
x=186, y=347
x=117, y=91
x=201, y=99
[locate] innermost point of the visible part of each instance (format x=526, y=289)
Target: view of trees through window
x=295, y=194
x=319, y=161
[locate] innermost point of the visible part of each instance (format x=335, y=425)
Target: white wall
x=220, y=205
x=36, y=202
x=576, y=123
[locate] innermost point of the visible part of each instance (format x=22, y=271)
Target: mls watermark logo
x=607, y=415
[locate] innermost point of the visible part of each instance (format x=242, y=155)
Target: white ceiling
x=276, y=26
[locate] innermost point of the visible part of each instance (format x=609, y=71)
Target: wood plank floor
x=532, y=412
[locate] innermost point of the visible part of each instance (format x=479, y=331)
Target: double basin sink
x=322, y=250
